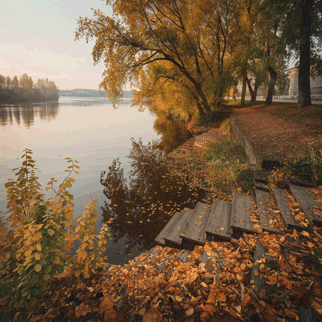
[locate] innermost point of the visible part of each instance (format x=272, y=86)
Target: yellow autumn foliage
x=37, y=247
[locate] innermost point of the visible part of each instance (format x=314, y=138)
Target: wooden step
x=261, y=287
x=263, y=197
x=219, y=220
x=306, y=202
x=260, y=176
x=159, y=239
x=194, y=231
x=262, y=186
x=240, y=217
x=172, y=236
x=286, y=214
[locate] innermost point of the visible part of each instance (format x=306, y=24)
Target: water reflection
x=141, y=205
x=173, y=131
x=26, y=113
x=90, y=101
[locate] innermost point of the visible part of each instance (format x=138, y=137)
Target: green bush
x=308, y=166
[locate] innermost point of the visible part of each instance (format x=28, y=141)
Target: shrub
x=89, y=253
x=35, y=240
x=308, y=166
x=230, y=173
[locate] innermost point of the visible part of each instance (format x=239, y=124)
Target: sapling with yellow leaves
x=89, y=253
x=36, y=238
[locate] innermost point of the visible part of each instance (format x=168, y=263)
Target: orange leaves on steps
x=107, y=309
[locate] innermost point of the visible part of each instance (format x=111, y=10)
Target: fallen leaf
x=179, y=298
x=211, y=298
x=221, y=297
x=310, y=244
x=189, y=312
x=305, y=233
x=154, y=315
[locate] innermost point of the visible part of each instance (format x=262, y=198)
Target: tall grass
x=230, y=171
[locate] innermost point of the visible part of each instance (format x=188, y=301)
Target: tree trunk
x=255, y=90
x=272, y=81
x=252, y=93
x=234, y=93
x=198, y=89
x=243, y=93
x=304, y=89
x=201, y=111
x=203, y=99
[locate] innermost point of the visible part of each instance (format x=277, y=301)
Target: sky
x=37, y=38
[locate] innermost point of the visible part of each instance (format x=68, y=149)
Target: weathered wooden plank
x=286, y=214
x=259, y=254
x=255, y=277
x=305, y=314
x=219, y=220
x=172, y=236
x=241, y=211
x=159, y=239
x=262, y=186
x=306, y=201
x=260, y=176
x=302, y=183
x=261, y=198
x=194, y=230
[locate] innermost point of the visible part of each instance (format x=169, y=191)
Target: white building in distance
x=316, y=83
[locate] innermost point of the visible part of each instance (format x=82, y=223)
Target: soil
x=281, y=131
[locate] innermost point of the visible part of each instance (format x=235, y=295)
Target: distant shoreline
x=89, y=93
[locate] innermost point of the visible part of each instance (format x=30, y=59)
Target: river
x=90, y=131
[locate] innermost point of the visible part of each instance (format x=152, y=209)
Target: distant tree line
x=25, y=89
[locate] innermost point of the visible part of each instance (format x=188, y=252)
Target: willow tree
x=141, y=33
x=190, y=36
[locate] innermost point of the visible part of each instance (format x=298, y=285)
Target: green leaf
x=46, y=277
x=42, y=262
x=37, y=268
x=34, y=291
x=47, y=269
x=25, y=293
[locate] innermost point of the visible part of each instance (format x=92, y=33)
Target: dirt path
x=281, y=131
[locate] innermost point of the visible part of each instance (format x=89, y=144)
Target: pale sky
x=37, y=38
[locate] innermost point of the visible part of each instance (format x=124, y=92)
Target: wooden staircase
x=223, y=220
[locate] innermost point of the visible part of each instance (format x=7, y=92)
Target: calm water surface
x=90, y=131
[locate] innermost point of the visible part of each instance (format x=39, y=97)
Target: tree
x=52, y=90
x=143, y=34
x=15, y=82
x=301, y=30
x=24, y=81
x=2, y=81
x=8, y=82
x=186, y=41
x=30, y=85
